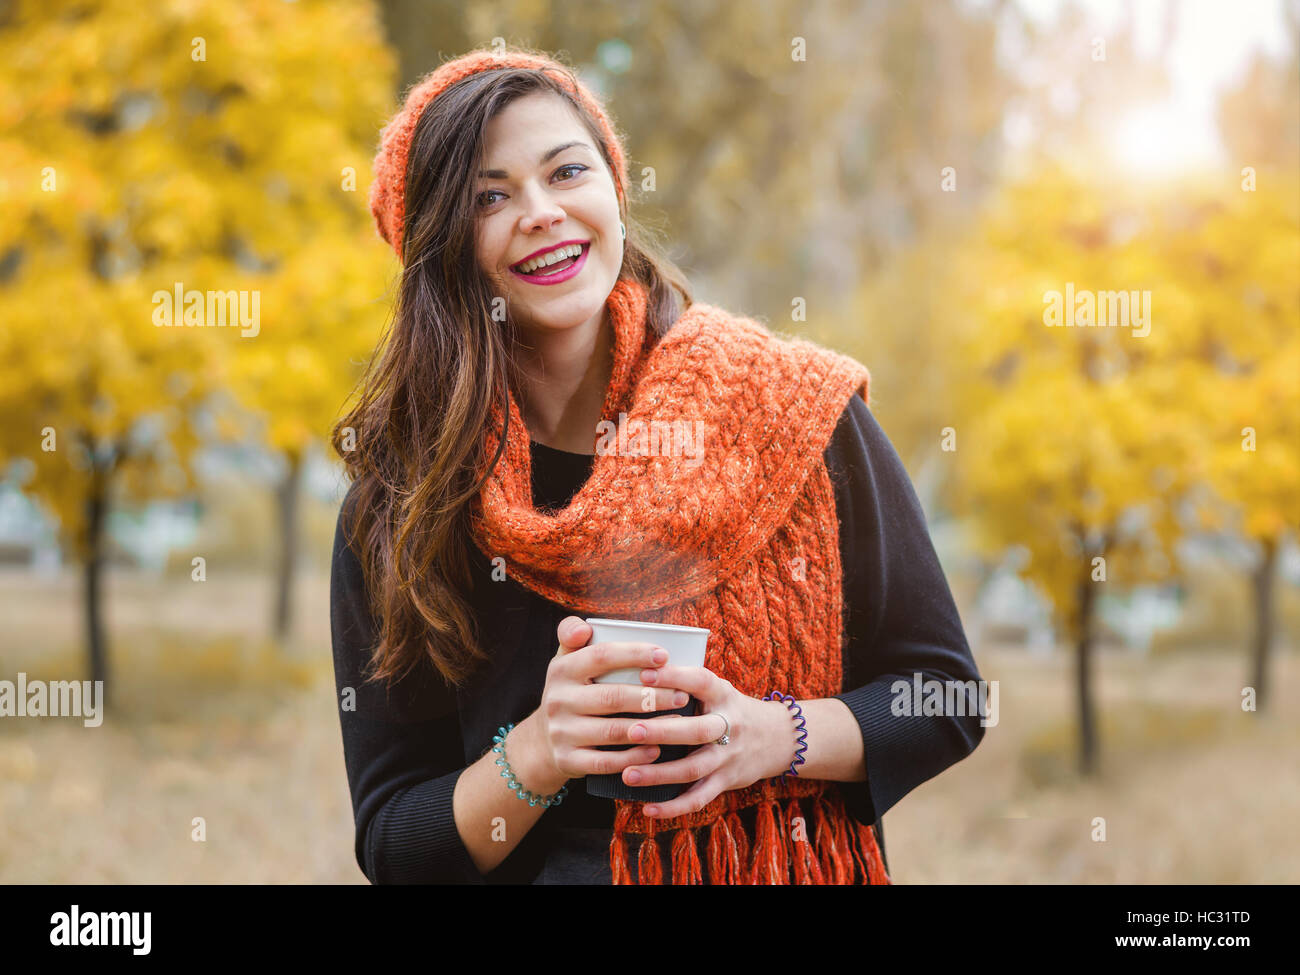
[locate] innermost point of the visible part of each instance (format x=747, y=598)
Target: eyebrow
x=547, y=157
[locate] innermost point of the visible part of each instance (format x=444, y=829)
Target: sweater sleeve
x=901, y=619
x=402, y=748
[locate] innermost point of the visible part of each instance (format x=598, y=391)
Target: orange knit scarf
x=744, y=541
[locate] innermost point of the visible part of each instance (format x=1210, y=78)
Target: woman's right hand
x=572, y=708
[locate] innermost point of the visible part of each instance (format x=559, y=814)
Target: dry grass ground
x=213, y=723
x=1191, y=789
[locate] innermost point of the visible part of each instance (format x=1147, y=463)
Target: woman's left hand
x=760, y=735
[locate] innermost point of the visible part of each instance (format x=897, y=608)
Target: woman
x=504, y=487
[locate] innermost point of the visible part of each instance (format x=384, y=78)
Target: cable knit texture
x=388, y=188
x=746, y=543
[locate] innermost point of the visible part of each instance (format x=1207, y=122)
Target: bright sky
x=1211, y=50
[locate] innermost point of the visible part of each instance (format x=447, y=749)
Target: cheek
x=491, y=259
x=488, y=259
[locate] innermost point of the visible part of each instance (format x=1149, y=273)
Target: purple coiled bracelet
x=802, y=737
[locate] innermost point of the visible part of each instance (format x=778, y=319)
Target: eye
x=481, y=202
x=577, y=166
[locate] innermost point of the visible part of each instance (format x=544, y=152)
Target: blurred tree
x=911, y=308
x=324, y=315
x=1245, y=257
x=1251, y=253
x=99, y=404
x=1076, y=442
x=191, y=149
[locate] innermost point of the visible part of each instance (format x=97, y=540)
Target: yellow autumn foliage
x=1083, y=441
x=208, y=146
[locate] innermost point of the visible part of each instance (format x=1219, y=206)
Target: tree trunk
x=1083, y=682
x=287, y=507
x=1263, y=636
x=96, y=504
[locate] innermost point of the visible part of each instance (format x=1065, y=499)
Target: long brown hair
x=419, y=425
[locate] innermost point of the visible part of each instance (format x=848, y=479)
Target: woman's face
x=530, y=198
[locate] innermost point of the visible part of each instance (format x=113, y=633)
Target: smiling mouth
x=550, y=269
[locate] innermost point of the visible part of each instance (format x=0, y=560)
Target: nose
x=540, y=211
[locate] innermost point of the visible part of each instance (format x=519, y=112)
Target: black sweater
x=405, y=749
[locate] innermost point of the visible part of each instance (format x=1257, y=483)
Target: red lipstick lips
x=548, y=247
x=555, y=277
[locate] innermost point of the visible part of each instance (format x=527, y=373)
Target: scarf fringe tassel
x=841, y=851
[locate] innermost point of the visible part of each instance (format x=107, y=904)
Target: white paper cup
x=686, y=646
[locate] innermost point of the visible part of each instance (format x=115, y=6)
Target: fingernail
x=633, y=777
x=660, y=656
x=679, y=699
x=651, y=810
x=637, y=733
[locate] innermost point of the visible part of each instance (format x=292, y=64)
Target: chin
x=580, y=303
x=567, y=311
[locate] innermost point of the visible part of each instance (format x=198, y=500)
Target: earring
x=622, y=228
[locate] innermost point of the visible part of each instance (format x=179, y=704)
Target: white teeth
x=550, y=257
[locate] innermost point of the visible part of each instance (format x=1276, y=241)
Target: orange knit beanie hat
x=388, y=190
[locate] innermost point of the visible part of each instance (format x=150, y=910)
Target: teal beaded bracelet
x=508, y=774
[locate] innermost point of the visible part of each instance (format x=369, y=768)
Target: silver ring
x=724, y=739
